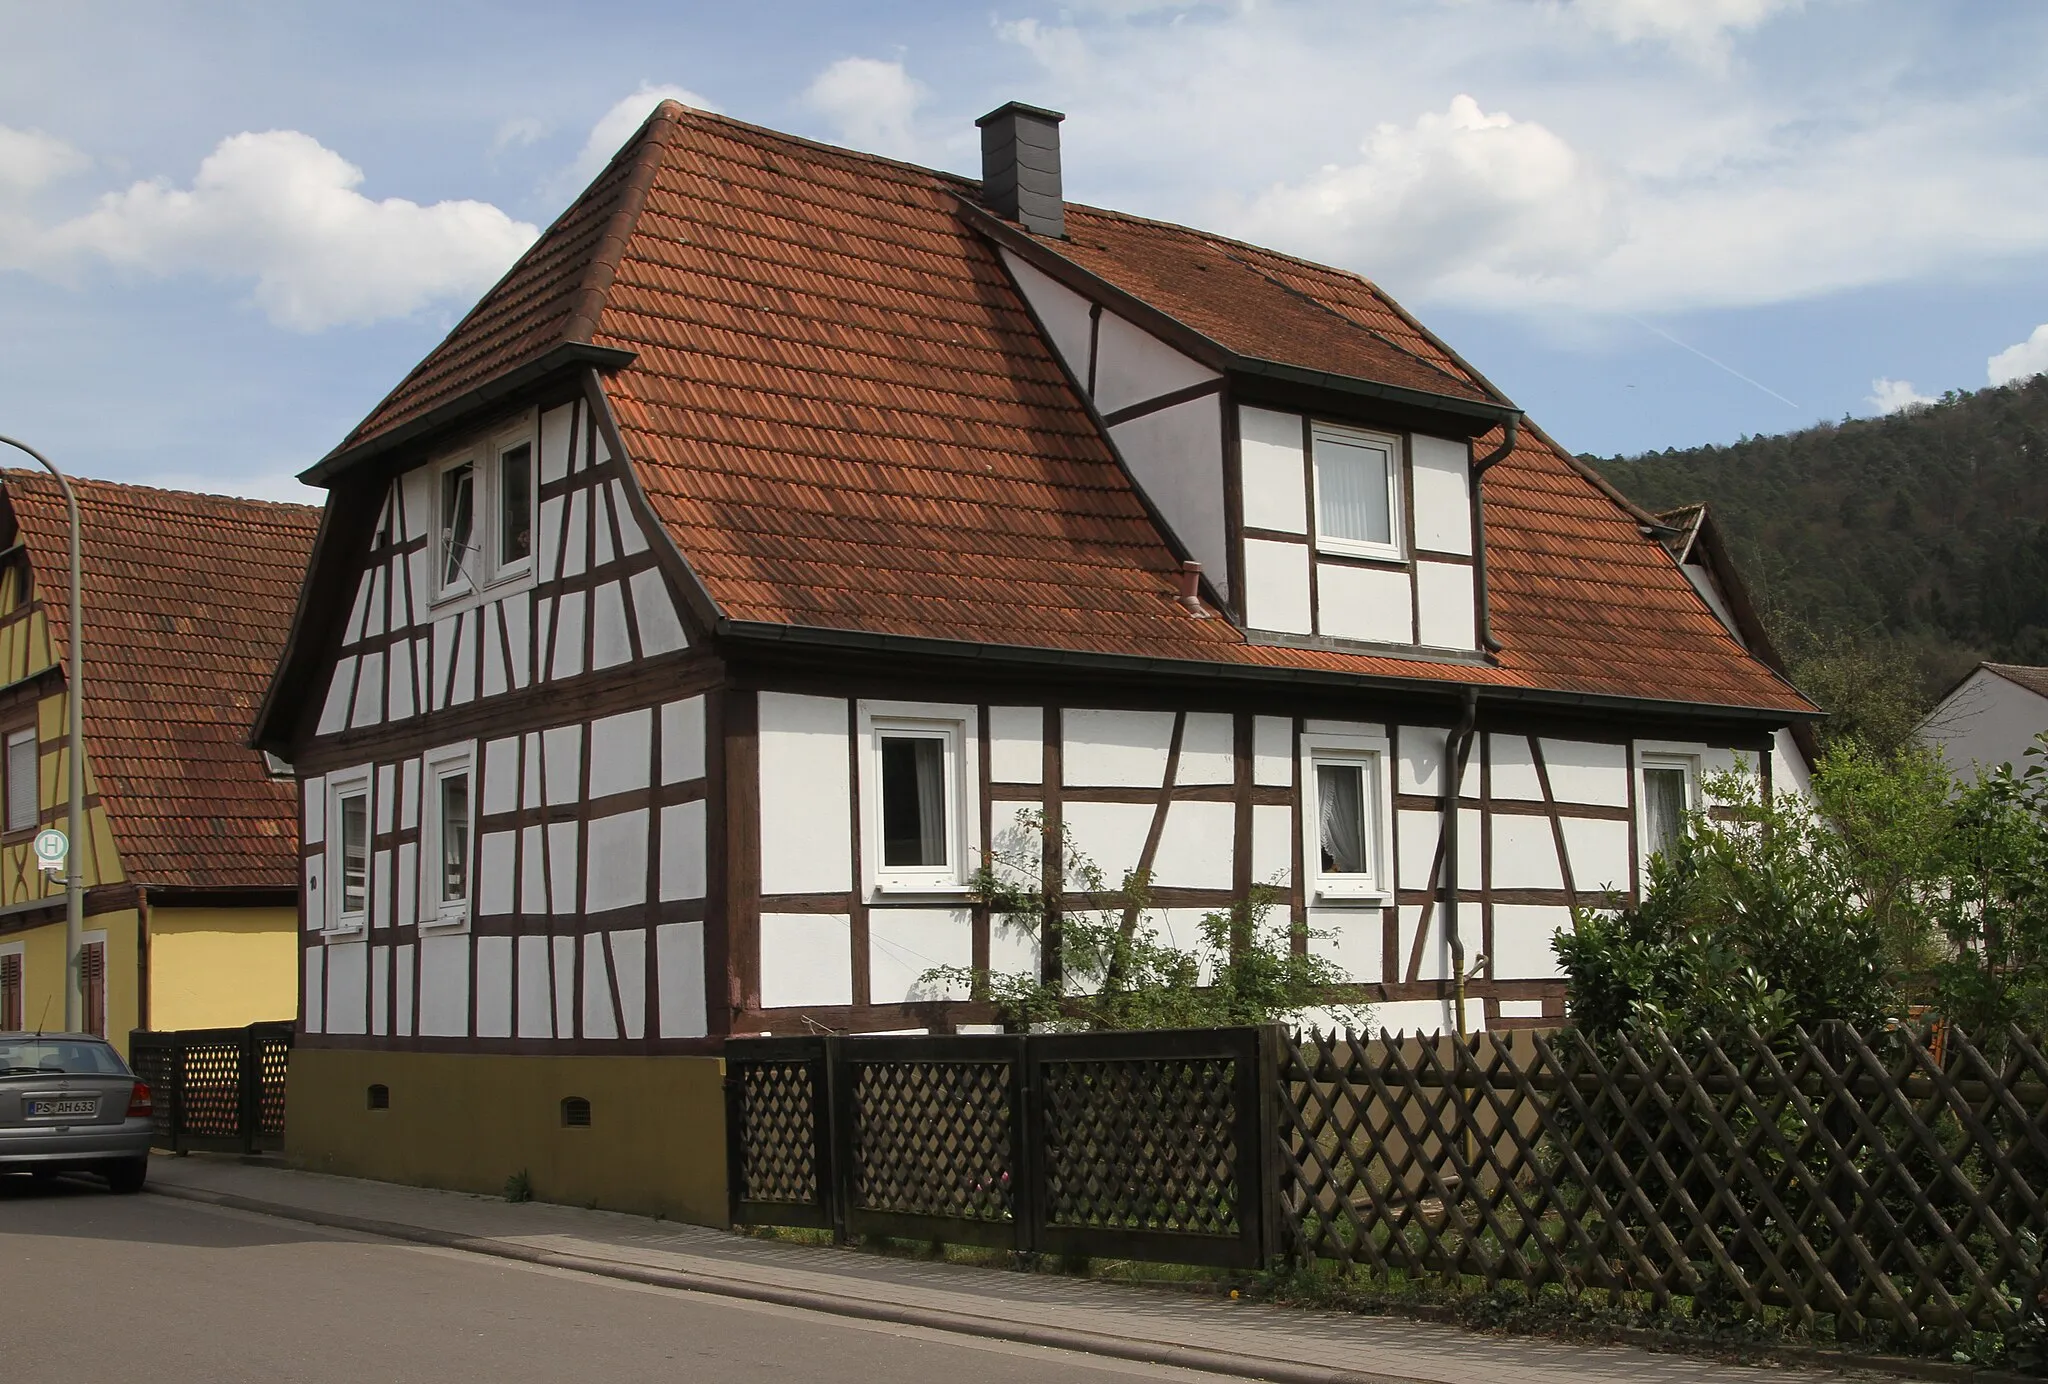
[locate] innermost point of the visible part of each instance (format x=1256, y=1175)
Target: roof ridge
x=10, y=474
x=648, y=148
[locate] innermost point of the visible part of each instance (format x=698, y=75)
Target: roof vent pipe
x=1020, y=167
x=1191, y=588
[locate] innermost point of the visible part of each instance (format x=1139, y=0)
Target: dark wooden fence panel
x=216, y=1088
x=1886, y=1189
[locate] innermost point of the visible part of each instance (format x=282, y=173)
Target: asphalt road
x=98, y=1289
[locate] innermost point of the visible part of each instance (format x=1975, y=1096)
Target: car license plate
x=62, y=1109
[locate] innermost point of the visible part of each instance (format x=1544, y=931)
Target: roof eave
x=561, y=357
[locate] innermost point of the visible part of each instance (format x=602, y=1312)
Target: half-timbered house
x=686, y=628
x=190, y=856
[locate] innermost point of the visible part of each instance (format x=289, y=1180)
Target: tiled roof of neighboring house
x=843, y=414
x=2033, y=679
x=188, y=599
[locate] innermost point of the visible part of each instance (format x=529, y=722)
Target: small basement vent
x=380, y=1097
x=575, y=1112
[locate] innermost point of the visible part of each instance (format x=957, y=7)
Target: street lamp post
x=74, y=700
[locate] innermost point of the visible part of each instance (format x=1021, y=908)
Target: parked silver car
x=68, y=1103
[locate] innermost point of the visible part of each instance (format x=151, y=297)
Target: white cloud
x=30, y=158
x=617, y=125
x=281, y=209
x=517, y=133
x=870, y=103
x=1896, y=396
x=1699, y=29
x=2022, y=361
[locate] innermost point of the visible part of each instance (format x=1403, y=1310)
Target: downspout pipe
x=1480, y=466
x=1457, y=751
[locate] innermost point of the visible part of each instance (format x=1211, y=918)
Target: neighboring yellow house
x=191, y=852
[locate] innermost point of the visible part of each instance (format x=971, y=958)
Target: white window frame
x=1658, y=756
x=1374, y=754
x=349, y=784
x=1396, y=549
x=956, y=728
x=436, y=913
x=483, y=573
x=14, y=738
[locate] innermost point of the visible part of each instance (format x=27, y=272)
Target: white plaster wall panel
x=1421, y=762
x=1016, y=744
x=1016, y=842
x=386, y=797
x=408, y=884
x=564, y=978
x=444, y=987
x=1425, y=1017
x=1273, y=751
x=409, y=794
x=1176, y=456
x=414, y=580
x=369, y=704
x=1583, y=772
x=1415, y=848
x=1443, y=497
x=316, y=908
x=1132, y=365
x=315, y=961
x=1195, y=846
x=806, y=819
x=359, y=607
x=422, y=672
x=654, y=611
x=348, y=980
x=1272, y=844
x=1599, y=853
x=1521, y=1009
x=380, y=889
x=1353, y=939
x=398, y=672
x=1112, y=835
x=1436, y=947
x=1522, y=941
x=1313, y=727
x=1720, y=760
x=494, y=873
x=629, y=963
x=610, y=644
x=1274, y=473
x=615, y=873
x=598, y=1019
x=530, y=793
x=373, y=617
x=562, y=895
x=1063, y=312
x=495, y=674
x=536, y=989
x=556, y=427
x=1446, y=606
x=443, y=661
x=1208, y=749
x=313, y=798
x=806, y=959
x=1368, y=603
x=632, y=538
x=1524, y=853
x=1789, y=773
x=1115, y=749
x=1276, y=586
x=468, y=642
x=501, y=775
x=682, y=851
x=380, y=991
x=1012, y=948
x=533, y=872
x=340, y=694
x=403, y=997
x=494, y=987
x=518, y=608
x=904, y=943
x=562, y=763
x=575, y=539
x=679, y=971
x=682, y=740
x=601, y=549
x=568, y=636
x=1514, y=768
x=621, y=752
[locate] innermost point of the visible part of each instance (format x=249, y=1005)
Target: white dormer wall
x=1174, y=449
x=1426, y=596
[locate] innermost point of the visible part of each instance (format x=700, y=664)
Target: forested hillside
x=1906, y=547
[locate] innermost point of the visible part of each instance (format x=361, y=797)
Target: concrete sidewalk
x=1244, y=1339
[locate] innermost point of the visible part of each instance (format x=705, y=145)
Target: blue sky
x=227, y=229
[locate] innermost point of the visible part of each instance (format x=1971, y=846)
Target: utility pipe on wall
x=1457, y=750
x=1480, y=466
x=74, y=700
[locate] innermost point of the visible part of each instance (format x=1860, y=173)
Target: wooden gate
x=216, y=1088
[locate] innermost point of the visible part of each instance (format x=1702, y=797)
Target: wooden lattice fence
x=1881, y=1189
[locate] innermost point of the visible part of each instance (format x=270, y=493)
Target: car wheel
x=126, y=1179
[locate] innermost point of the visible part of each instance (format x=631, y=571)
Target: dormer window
x=483, y=520
x=1358, y=492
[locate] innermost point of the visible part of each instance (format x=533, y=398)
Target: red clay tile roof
x=845, y=418
x=187, y=600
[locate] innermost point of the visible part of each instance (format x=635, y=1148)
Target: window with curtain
x=1667, y=797
x=454, y=836
x=1340, y=803
x=515, y=506
x=354, y=830
x=22, y=804
x=1345, y=826
x=914, y=833
x=1357, y=479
